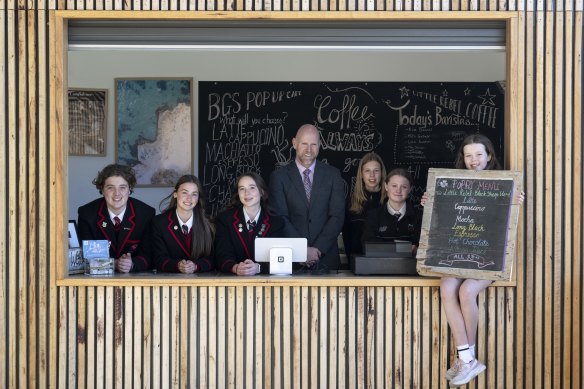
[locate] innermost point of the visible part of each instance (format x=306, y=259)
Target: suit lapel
x=320, y=178
x=106, y=227
x=240, y=229
x=297, y=183
x=127, y=226
x=176, y=232
x=264, y=223
x=237, y=224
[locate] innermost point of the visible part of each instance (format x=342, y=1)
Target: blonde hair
x=358, y=197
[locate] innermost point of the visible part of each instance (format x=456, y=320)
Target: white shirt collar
x=247, y=218
x=392, y=212
x=189, y=222
x=301, y=168
x=120, y=215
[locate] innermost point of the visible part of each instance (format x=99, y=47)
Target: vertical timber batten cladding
x=139, y=335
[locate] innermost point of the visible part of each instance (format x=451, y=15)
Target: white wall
x=98, y=69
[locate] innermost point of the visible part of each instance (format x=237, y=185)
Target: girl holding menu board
x=459, y=296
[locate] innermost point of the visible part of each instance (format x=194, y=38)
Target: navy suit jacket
x=233, y=243
x=169, y=245
x=134, y=236
x=319, y=221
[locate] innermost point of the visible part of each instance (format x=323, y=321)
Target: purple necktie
x=307, y=183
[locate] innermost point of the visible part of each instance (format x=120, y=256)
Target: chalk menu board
x=248, y=126
x=470, y=222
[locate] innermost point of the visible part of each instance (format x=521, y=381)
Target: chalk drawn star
x=487, y=97
x=404, y=92
x=467, y=92
x=444, y=92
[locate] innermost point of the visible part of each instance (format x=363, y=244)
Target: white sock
x=464, y=353
x=472, y=350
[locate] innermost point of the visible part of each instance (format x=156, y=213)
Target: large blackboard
x=470, y=222
x=248, y=125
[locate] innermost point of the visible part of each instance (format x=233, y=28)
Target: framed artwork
x=87, y=121
x=73, y=236
x=154, y=128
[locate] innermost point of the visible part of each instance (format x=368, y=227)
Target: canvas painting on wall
x=154, y=128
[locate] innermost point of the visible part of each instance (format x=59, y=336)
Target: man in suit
x=309, y=195
x=123, y=221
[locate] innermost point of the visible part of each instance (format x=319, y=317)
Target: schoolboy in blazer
x=320, y=218
x=129, y=237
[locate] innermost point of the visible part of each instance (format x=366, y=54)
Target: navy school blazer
x=169, y=246
x=134, y=236
x=233, y=243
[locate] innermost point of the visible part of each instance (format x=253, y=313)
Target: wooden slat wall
x=332, y=337
x=290, y=336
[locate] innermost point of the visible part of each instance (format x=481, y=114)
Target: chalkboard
x=469, y=224
x=246, y=125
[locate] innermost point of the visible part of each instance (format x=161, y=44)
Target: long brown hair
x=493, y=164
x=358, y=197
x=203, y=231
x=261, y=185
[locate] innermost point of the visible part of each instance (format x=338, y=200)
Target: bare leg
x=468, y=292
x=449, y=292
x=459, y=299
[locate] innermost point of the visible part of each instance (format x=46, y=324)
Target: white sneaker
x=454, y=368
x=467, y=372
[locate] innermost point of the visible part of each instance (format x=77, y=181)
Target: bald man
x=309, y=195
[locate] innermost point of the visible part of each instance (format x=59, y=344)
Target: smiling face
x=475, y=156
x=116, y=192
x=187, y=196
x=398, y=189
x=306, y=144
x=371, y=173
x=249, y=193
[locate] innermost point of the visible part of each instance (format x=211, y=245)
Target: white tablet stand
x=281, y=260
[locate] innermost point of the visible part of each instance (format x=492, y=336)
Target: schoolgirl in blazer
x=182, y=236
x=396, y=218
x=238, y=227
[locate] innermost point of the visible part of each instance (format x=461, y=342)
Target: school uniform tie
x=185, y=231
x=397, y=215
x=117, y=223
x=307, y=183
x=251, y=224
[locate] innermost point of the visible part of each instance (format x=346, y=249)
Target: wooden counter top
x=336, y=279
